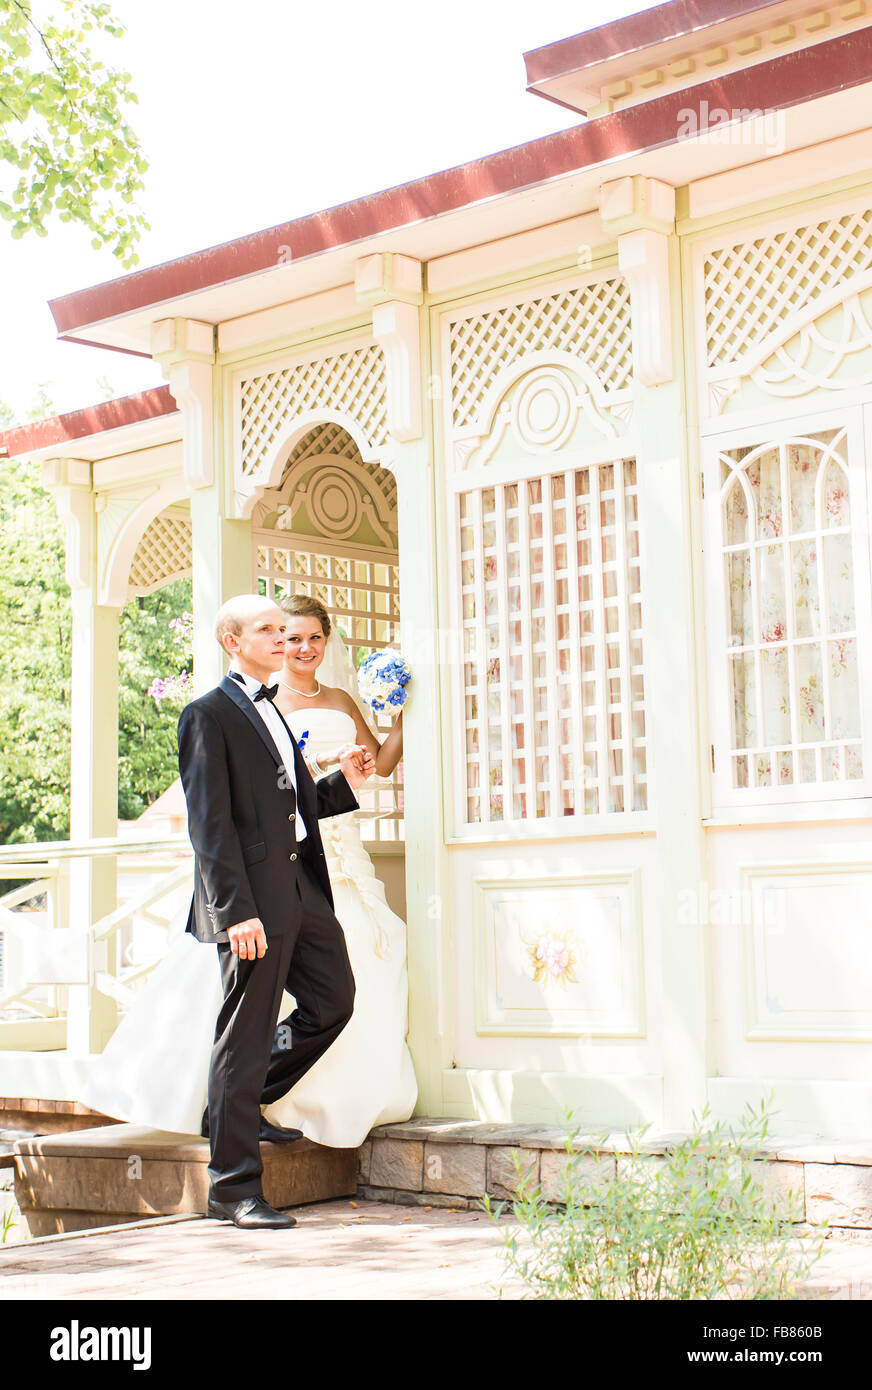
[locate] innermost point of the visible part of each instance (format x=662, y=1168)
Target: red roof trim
x=88, y=342
x=632, y=33
x=781, y=82
x=94, y=419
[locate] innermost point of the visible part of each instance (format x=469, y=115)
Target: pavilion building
x=585, y=428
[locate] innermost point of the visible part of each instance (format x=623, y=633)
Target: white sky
x=256, y=113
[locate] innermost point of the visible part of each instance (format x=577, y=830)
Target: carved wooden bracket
x=393, y=285
x=185, y=349
x=640, y=213
x=69, y=480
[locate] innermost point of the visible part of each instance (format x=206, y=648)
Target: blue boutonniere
x=303, y=740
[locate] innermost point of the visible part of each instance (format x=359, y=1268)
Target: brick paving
x=342, y=1250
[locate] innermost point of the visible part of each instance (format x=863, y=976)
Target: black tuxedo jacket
x=241, y=816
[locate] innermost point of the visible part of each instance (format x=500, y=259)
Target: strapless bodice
x=326, y=728
x=347, y=860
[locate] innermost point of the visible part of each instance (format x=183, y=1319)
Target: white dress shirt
x=279, y=733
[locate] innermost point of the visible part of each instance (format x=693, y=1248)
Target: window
x=788, y=656
x=551, y=618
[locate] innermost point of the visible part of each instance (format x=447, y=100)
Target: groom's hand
x=356, y=763
x=248, y=939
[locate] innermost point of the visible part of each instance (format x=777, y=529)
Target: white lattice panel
x=328, y=438
x=552, y=668
x=591, y=321
x=349, y=382
x=163, y=554
x=753, y=287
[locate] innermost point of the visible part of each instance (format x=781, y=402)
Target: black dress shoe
x=252, y=1214
x=273, y=1134
x=266, y=1133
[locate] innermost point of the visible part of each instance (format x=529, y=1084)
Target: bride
x=154, y=1069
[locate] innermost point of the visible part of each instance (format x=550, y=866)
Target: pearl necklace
x=304, y=693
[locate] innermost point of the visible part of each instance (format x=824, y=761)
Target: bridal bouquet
x=382, y=680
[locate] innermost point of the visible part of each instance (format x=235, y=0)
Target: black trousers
x=256, y=1059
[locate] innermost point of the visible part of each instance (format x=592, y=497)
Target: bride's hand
x=356, y=763
x=328, y=759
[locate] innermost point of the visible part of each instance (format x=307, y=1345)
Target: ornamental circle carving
x=334, y=503
x=543, y=411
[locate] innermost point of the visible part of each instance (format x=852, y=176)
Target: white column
x=426, y=885
x=92, y=1016
x=222, y=567
x=392, y=285
x=640, y=213
x=221, y=546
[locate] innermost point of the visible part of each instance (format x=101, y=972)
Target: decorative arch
x=587, y=322
x=277, y=405
x=328, y=491
x=540, y=403
x=121, y=527
x=787, y=311
x=165, y=552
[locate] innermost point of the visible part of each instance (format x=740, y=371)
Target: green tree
x=35, y=631
x=62, y=126
x=36, y=639
x=147, y=747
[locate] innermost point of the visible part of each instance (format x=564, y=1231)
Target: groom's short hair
x=232, y=615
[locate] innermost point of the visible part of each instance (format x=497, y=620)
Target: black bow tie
x=266, y=692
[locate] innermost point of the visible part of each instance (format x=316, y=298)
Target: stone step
x=454, y=1163
x=28, y=1115
x=120, y=1173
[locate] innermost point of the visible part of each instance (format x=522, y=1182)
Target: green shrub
x=7, y=1221
x=696, y=1223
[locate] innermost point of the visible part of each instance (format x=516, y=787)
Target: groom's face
x=259, y=646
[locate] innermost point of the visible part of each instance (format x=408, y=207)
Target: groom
x=262, y=893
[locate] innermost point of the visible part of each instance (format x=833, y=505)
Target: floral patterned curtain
x=792, y=643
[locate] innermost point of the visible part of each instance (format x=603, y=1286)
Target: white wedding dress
x=154, y=1069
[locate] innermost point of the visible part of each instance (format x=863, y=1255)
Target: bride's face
x=304, y=646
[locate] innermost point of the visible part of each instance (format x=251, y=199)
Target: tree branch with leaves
x=63, y=126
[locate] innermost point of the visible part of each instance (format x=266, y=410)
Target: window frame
x=775, y=432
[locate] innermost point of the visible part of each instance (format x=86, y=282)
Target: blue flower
x=303, y=739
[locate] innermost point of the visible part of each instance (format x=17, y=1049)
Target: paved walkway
x=345, y=1250
x=339, y=1250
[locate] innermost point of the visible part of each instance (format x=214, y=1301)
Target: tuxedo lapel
x=233, y=692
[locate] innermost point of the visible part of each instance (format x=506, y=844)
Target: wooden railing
x=65, y=973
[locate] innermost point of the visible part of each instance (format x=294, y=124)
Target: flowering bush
x=179, y=687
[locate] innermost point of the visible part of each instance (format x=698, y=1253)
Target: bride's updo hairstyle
x=303, y=606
